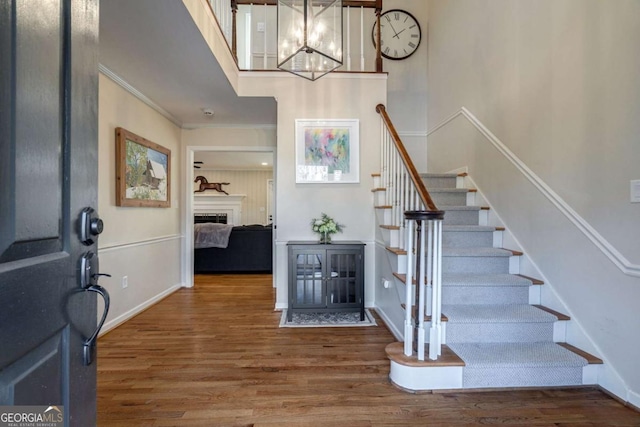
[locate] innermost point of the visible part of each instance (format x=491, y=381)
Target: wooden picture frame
x=327, y=151
x=143, y=172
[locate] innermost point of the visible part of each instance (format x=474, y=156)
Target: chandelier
x=309, y=37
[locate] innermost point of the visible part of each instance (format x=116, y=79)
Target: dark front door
x=48, y=175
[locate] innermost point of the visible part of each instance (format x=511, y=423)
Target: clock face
x=399, y=34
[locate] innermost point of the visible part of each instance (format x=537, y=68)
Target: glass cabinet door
x=343, y=278
x=309, y=275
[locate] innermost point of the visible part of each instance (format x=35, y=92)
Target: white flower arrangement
x=325, y=226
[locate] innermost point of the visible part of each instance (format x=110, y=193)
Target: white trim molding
x=619, y=260
x=116, y=246
x=416, y=133
x=136, y=93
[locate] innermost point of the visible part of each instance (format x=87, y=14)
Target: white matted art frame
x=327, y=151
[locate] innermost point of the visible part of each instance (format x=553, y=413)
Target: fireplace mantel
x=220, y=203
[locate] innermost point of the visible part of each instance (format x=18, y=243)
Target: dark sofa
x=249, y=251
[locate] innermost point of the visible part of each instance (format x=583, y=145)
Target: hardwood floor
x=215, y=356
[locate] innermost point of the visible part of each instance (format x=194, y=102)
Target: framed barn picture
x=327, y=151
x=143, y=172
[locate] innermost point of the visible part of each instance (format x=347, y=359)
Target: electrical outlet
x=125, y=282
x=260, y=27
x=635, y=191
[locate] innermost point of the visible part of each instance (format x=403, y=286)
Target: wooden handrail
x=413, y=173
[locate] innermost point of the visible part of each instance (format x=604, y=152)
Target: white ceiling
x=154, y=46
x=234, y=160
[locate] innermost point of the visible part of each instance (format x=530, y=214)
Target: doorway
x=210, y=160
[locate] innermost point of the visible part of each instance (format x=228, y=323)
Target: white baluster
x=429, y=256
x=403, y=189
x=264, y=47
x=408, y=326
x=435, y=334
x=361, y=38
x=250, y=41
x=348, y=38
x=421, y=294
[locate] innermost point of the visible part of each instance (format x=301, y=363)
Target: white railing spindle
x=435, y=333
x=430, y=245
x=348, y=38
x=264, y=39
x=361, y=38
x=408, y=321
x=421, y=292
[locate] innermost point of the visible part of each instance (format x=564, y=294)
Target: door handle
x=89, y=275
x=89, y=344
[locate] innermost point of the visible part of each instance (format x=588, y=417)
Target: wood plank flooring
x=215, y=356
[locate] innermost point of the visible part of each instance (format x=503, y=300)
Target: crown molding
x=136, y=93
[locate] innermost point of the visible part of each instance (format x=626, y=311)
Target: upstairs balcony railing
x=419, y=224
x=250, y=28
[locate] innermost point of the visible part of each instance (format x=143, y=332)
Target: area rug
x=327, y=320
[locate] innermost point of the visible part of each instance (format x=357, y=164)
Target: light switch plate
x=635, y=191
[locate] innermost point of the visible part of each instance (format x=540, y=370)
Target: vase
x=325, y=238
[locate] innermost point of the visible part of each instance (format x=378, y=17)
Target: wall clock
x=400, y=34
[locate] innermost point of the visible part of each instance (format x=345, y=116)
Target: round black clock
x=400, y=34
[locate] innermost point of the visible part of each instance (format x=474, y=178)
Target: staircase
x=495, y=331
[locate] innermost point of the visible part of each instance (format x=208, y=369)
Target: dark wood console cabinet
x=326, y=277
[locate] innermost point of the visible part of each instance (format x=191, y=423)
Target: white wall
x=139, y=243
x=556, y=82
x=335, y=96
x=407, y=87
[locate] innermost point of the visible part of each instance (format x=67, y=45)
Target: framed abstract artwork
x=327, y=151
x=143, y=172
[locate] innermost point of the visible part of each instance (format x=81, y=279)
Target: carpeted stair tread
x=469, y=279
x=460, y=208
x=501, y=313
x=438, y=175
x=449, y=190
x=517, y=355
x=470, y=228
x=476, y=252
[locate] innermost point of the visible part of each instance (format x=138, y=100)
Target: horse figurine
x=206, y=185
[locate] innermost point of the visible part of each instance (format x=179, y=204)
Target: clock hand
x=397, y=34
x=394, y=30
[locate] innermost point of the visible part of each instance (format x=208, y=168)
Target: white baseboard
x=634, y=399
x=112, y=324
x=396, y=333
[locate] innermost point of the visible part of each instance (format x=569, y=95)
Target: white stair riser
x=383, y=216
x=439, y=378
x=390, y=237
